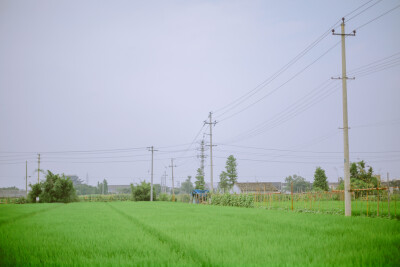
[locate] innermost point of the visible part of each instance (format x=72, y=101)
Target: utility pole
x=172, y=168
x=26, y=178
x=152, y=160
x=164, y=182
x=347, y=193
x=388, y=190
x=211, y=123
x=38, y=170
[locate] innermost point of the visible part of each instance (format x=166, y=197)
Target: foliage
x=36, y=190
x=200, y=183
x=141, y=192
x=84, y=189
x=299, y=184
x=223, y=181
x=102, y=188
x=320, y=179
x=231, y=170
x=56, y=188
x=234, y=200
x=21, y=200
x=164, y=197
x=187, y=186
x=361, y=176
x=105, y=198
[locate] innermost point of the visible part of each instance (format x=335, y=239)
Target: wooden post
x=377, y=213
x=367, y=201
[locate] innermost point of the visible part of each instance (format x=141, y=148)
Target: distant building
x=334, y=185
x=118, y=189
x=12, y=193
x=257, y=187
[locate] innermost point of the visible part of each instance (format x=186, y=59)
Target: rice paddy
x=165, y=233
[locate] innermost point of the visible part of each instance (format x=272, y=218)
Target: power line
x=356, y=15
x=378, y=17
x=283, y=84
x=252, y=92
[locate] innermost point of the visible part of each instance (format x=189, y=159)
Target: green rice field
x=165, y=233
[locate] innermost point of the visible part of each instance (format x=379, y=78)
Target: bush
x=164, y=197
x=21, y=200
x=183, y=198
x=141, y=192
x=56, y=188
x=233, y=200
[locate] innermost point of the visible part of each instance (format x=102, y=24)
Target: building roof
x=259, y=186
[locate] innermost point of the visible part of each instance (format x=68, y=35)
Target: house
x=257, y=187
x=118, y=189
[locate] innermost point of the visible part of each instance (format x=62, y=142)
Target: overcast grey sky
x=91, y=84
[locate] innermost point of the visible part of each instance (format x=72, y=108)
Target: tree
x=361, y=176
x=223, y=181
x=141, y=192
x=56, y=188
x=231, y=171
x=200, y=183
x=299, y=183
x=105, y=187
x=320, y=180
x=187, y=185
x=36, y=190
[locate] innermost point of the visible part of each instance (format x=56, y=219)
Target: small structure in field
x=199, y=196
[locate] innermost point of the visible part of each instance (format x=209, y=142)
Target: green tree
x=200, y=183
x=320, y=180
x=223, y=181
x=105, y=187
x=231, y=171
x=56, y=188
x=361, y=176
x=35, y=192
x=141, y=192
x=187, y=185
x=299, y=183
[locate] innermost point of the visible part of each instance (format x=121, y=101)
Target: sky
x=90, y=85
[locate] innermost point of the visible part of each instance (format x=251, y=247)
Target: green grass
x=143, y=233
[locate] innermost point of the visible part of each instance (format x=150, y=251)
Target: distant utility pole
x=26, y=178
x=347, y=193
x=38, y=170
x=211, y=123
x=152, y=160
x=164, y=182
x=172, y=168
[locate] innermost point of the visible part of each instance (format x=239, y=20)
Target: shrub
x=233, y=200
x=56, y=188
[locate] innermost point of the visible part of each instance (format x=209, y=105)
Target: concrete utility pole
x=173, y=190
x=38, y=170
x=388, y=190
x=26, y=178
x=347, y=193
x=164, y=182
x=211, y=123
x=152, y=160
